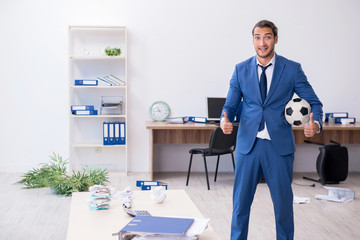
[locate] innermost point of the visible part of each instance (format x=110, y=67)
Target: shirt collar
x=272, y=61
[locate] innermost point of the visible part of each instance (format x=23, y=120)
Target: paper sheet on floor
x=298, y=200
x=336, y=194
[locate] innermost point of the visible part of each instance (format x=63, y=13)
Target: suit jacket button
x=264, y=108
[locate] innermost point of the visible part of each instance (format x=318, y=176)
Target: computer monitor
x=214, y=108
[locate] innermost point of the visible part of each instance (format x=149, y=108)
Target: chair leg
x=232, y=155
x=206, y=171
x=217, y=166
x=188, y=174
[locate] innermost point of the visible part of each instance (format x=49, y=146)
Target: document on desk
x=196, y=228
x=158, y=225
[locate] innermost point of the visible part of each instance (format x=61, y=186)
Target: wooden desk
x=192, y=133
x=96, y=225
x=344, y=134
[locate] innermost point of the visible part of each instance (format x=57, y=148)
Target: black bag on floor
x=332, y=164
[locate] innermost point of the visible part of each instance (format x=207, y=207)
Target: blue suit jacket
x=288, y=78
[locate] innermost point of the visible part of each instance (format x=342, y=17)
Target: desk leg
x=151, y=163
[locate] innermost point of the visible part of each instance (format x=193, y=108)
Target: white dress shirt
x=264, y=134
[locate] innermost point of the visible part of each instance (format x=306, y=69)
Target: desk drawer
x=184, y=136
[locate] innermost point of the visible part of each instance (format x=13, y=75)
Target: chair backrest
x=222, y=141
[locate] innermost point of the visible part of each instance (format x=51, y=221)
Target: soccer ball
x=297, y=112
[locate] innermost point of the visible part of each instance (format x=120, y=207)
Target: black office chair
x=220, y=144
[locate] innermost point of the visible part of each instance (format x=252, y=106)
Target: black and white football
x=297, y=112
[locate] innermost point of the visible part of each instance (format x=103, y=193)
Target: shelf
x=112, y=87
x=98, y=116
x=98, y=57
x=87, y=60
x=96, y=145
x=100, y=27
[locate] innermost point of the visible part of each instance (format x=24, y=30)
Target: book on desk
x=161, y=226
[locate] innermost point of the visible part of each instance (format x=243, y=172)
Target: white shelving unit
x=87, y=60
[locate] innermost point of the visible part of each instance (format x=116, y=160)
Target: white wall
x=179, y=52
x=34, y=93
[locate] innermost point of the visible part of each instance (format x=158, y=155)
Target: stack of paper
x=100, y=197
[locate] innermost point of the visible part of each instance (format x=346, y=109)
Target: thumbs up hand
x=311, y=128
x=226, y=125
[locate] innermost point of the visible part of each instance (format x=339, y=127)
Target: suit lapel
x=254, y=79
x=278, y=70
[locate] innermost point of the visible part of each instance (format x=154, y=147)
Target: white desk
x=87, y=224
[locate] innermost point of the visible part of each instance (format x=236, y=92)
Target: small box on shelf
x=111, y=105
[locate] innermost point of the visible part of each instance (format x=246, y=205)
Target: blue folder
x=198, y=119
x=106, y=133
x=111, y=133
x=82, y=107
x=337, y=114
x=140, y=183
x=122, y=134
x=85, y=112
x=117, y=133
x=85, y=82
x=147, y=188
x=158, y=225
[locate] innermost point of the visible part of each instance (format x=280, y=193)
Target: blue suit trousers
x=278, y=172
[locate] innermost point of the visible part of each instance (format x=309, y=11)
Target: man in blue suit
x=265, y=141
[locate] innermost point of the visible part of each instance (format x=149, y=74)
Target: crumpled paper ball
x=158, y=194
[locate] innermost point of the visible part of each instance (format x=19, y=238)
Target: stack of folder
x=110, y=80
x=339, y=117
x=114, y=133
x=147, y=185
x=83, y=110
x=186, y=119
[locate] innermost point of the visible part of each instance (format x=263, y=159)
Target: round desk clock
x=159, y=111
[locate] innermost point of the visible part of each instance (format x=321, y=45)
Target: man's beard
x=267, y=55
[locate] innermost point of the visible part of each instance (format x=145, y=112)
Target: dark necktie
x=263, y=91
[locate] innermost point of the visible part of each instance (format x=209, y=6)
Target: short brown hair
x=266, y=24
